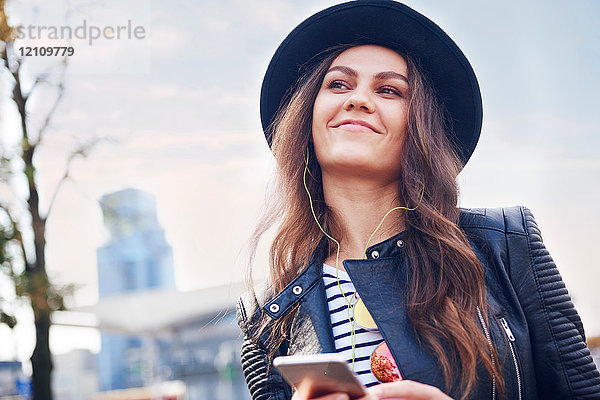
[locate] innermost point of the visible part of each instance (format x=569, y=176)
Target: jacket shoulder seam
x=528, y=230
x=491, y=219
x=486, y=227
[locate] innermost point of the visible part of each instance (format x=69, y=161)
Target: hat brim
x=393, y=25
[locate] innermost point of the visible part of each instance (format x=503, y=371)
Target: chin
x=352, y=161
x=355, y=161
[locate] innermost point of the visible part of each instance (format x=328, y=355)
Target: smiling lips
x=355, y=125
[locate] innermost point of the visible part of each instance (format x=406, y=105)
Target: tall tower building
x=136, y=257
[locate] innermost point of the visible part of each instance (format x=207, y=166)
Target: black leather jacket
x=538, y=334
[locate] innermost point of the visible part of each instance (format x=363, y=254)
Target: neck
x=359, y=206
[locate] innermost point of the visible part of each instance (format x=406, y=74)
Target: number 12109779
x=47, y=51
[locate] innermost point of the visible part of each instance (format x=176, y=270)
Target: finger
x=369, y=396
x=332, y=396
x=408, y=390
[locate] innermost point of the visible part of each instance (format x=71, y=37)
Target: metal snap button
x=297, y=290
x=400, y=243
x=274, y=308
x=374, y=254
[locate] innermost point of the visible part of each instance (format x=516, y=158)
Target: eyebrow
x=379, y=75
x=391, y=75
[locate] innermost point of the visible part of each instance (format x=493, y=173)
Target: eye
x=337, y=84
x=389, y=90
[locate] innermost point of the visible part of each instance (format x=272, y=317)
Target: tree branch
x=82, y=151
x=61, y=90
x=17, y=233
x=58, y=186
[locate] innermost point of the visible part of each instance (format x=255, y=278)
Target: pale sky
x=181, y=108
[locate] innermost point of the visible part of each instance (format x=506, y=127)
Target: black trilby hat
x=390, y=24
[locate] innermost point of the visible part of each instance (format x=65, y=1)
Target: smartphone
x=320, y=374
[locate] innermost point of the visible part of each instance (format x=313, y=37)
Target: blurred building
x=136, y=257
x=204, y=353
x=152, y=334
x=187, y=337
x=75, y=375
x=10, y=371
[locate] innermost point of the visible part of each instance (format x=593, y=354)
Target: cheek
x=396, y=118
x=325, y=107
x=398, y=144
x=321, y=115
x=397, y=123
x=318, y=110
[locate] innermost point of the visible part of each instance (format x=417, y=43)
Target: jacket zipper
x=489, y=339
x=511, y=340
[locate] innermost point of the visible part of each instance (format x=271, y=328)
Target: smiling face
x=360, y=114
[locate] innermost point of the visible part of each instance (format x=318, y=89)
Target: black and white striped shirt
x=341, y=321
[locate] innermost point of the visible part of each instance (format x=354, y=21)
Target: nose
x=360, y=101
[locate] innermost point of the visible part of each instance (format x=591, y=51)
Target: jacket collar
x=311, y=331
x=393, y=247
x=309, y=278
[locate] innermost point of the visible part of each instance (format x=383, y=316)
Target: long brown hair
x=445, y=279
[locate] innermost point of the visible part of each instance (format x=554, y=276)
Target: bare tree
x=22, y=223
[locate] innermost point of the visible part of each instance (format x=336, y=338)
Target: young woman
x=371, y=111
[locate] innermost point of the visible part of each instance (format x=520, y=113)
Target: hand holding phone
x=320, y=374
